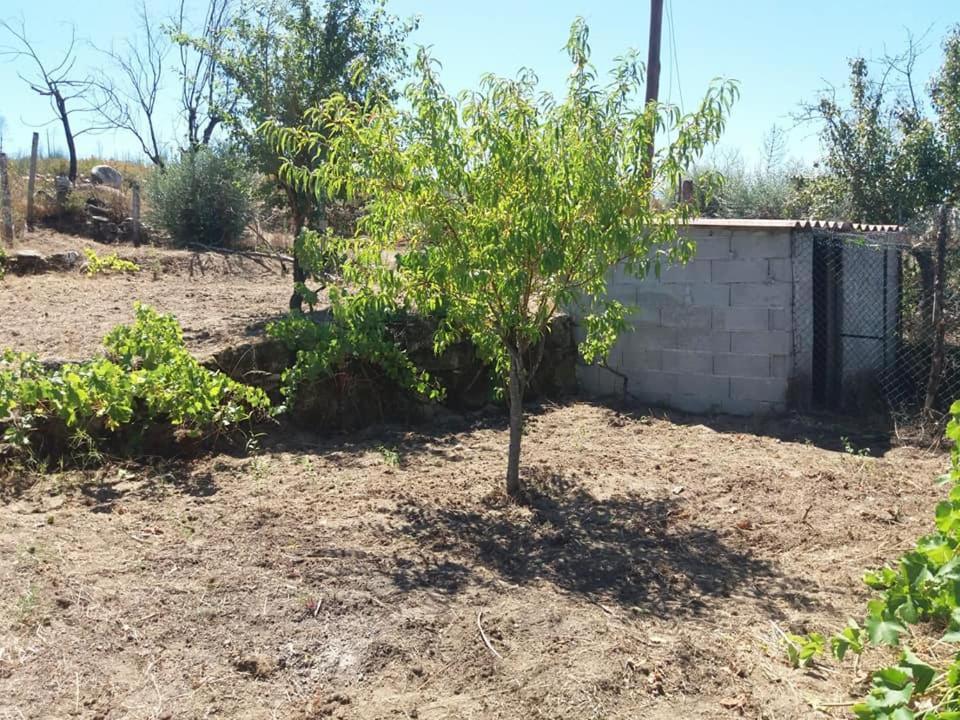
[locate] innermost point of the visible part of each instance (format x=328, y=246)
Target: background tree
x=884, y=160
x=286, y=56
x=509, y=204
x=890, y=156
x=945, y=95
x=3, y=130
x=68, y=90
x=769, y=189
x=207, y=95
x=126, y=95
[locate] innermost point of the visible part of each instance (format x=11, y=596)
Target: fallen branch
x=607, y=610
x=483, y=636
x=280, y=257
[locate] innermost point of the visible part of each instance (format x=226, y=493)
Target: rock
x=32, y=262
x=257, y=363
x=258, y=666
x=54, y=502
x=27, y=262
x=99, y=192
x=104, y=230
x=64, y=260
x=63, y=187
x=106, y=175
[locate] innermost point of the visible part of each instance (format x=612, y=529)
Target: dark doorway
x=827, y=295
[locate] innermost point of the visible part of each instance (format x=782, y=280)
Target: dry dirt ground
x=349, y=577
x=218, y=299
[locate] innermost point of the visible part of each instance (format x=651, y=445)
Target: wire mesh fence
x=867, y=328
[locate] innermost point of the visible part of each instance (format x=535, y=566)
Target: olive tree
x=500, y=208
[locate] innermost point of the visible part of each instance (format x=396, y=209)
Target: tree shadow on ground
x=634, y=551
x=258, y=328
x=103, y=494
x=871, y=436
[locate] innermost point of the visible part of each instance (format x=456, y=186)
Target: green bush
x=108, y=264
x=920, y=590
x=146, y=379
x=362, y=326
x=204, y=198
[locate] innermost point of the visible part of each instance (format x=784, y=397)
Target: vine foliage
x=364, y=324
x=921, y=590
x=147, y=377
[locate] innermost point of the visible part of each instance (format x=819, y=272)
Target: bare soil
x=385, y=575
x=219, y=299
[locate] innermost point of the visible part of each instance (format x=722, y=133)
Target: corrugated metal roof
x=834, y=225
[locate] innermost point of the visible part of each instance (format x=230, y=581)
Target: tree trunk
x=68, y=133
x=299, y=276
x=924, y=260
x=516, y=423
x=208, y=130
x=939, y=325
x=301, y=209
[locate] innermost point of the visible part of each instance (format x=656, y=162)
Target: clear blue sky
x=781, y=51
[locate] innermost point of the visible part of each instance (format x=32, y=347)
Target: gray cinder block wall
x=714, y=335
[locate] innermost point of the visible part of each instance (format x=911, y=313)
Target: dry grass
x=53, y=166
x=48, y=169
x=271, y=227
x=327, y=578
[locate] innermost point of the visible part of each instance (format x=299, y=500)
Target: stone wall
x=360, y=394
x=714, y=335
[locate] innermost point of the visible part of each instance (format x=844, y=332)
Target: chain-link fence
x=866, y=325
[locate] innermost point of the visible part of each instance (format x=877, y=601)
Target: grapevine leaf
x=923, y=673
x=884, y=630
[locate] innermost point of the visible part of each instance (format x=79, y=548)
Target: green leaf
x=850, y=638
x=884, y=630
x=922, y=672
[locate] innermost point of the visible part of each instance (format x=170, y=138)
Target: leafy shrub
x=769, y=189
x=363, y=325
x=111, y=263
x=204, y=198
x=923, y=587
x=360, y=329
x=147, y=378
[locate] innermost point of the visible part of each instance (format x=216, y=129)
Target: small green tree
x=506, y=205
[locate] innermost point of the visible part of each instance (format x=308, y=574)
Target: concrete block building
x=759, y=320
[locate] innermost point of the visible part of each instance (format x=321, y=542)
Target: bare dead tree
x=69, y=92
x=206, y=96
x=126, y=98
x=900, y=69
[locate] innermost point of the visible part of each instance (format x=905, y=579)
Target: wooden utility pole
x=653, y=65
x=6, y=204
x=32, y=180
